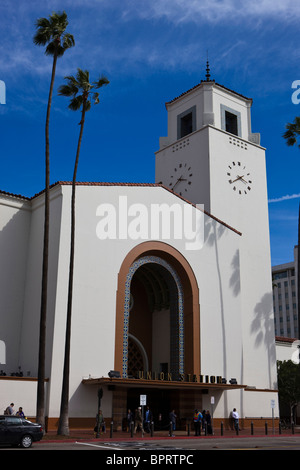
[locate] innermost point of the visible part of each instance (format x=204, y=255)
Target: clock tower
x=211, y=157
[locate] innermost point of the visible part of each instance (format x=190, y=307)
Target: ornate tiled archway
x=189, y=309
x=133, y=268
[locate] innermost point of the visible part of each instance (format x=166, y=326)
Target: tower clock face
x=239, y=178
x=180, y=178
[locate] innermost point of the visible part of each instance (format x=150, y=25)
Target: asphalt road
x=169, y=446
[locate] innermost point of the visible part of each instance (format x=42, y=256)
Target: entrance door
x=161, y=402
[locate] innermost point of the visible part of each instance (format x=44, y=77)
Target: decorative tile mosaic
x=179, y=347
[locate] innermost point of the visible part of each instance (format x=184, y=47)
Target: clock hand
x=238, y=178
x=176, y=183
x=179, y=179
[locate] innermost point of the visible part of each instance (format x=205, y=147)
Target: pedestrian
x=20, y=412
x=148, y=419
x=235, y=417
x=129, y=420
x=208, y=422
x=197, y=418
x=172, y=417
x=100, y=423
x=138, y=420
x=10, y=410
x=203, y=420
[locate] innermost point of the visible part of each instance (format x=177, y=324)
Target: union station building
x=172, y=292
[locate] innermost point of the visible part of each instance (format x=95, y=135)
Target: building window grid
x=284, y=301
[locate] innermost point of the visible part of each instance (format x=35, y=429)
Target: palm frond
x=52, y=32
x=96, y=98
x=80, y=84
x=83, y=79
x=68, y=41
x=76, y=103
x=67, y=90
x=102, y=81
x=292, y=132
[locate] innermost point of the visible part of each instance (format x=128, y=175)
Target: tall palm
x=82, y=93
x=50, y=32
x=292, y=134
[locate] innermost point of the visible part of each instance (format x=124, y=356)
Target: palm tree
x=81, y=92
x=51, y=32
x=292, y=132
x=292, y=135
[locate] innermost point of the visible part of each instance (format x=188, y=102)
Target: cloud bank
x=284, y=198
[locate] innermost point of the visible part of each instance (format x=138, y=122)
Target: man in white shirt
x=235, y=417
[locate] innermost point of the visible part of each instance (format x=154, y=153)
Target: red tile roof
x=95, y=183
x=213, y=82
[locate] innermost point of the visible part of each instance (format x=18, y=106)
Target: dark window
x=13, y=421
x=186, y=122
x=164, y=367
x=231, y=123
x=186, y=125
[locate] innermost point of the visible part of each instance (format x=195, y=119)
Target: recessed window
x=231, y=124
x=186, y=122
x=231, y=120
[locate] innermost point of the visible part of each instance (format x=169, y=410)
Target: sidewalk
x=85, y=434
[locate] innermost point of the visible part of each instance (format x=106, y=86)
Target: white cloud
x=179, y=11
x=284, y=198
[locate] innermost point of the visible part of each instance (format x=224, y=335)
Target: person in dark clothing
x=148, y=419
x=208, y=422
x=130, y=420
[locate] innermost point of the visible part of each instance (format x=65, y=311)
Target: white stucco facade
x=231, y=269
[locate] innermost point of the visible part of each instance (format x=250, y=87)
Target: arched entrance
x=153, y=313
x=166, y=284
x=158, y=328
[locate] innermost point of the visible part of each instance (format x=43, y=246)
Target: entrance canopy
x=167, y=384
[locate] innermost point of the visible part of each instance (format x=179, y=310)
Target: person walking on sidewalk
x=197, y=418
x=235, y=417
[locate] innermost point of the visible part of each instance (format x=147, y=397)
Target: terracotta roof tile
x=95, y=183
x=201, y=83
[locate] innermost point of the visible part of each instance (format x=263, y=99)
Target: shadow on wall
x=263, y=327
x=213, y=231
x=2, y=352
x=13, y=258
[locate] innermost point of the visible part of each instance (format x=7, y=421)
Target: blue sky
x=151, y=51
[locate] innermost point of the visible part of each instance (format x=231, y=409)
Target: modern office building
x=285, y=298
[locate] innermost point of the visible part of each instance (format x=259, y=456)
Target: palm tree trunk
x=63, y=427
x=40, y=412
x=298, y=275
